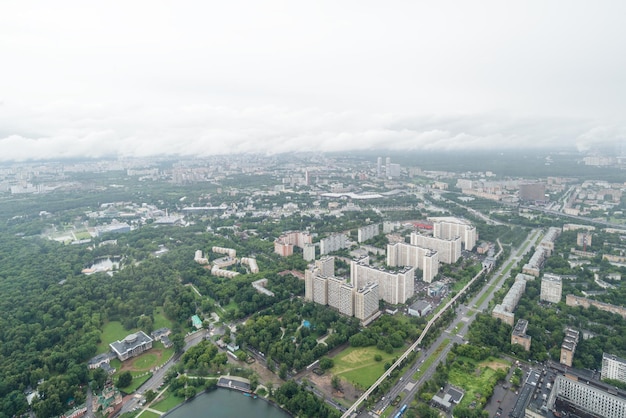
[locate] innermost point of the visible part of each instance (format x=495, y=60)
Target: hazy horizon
x=164, y=79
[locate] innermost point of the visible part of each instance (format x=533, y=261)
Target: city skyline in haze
x=199, y=79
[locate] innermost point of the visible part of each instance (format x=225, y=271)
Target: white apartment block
x=251, y=262
x=389, y=227
x=402, y=254
x=449, y=250
x=346, y=301
x=309, y=274
x=328, y=290
x=551, y=288
x=393, y=287
x=334, y=291
x=613, y=367
x=308, y=252
x=367, y=232
x=296, y=238
x=366, y=301
x=591, y=398
x=334, y=242
x=320, y=290
x=450, y=228
x=504, y=310
x=228, y=251
x=548, y=240
x=326, y=265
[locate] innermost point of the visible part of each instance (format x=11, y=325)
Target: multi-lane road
x=455, y=333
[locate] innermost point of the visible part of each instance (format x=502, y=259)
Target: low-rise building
x=420, y=308
x=568, y=348
x=518, y=336
x=131, y=346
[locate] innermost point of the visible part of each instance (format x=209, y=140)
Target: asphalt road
x=465, y=315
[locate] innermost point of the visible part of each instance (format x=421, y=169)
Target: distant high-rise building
x=393, y=170
x=551, y=288
x=379, y=167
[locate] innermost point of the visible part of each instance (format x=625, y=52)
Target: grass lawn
x=357, y=365
x=137, y=381
x=149, y=414
x=146, y=361
x=82, y=234
x=112, y=331
x=476, y=383
x=160, y=320
x=168, y=402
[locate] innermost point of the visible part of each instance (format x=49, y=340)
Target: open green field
x=112, y=331
x=168, y=402
x=160, y=320
x=357, y=365
x=230, y=307
x=478, y=382
x=82, y=234
x=146, y=361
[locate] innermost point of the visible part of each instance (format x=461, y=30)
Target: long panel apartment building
x=504, y=311
x=450, y=228
x=394, y=286
x=334, y=242
x=339, y=294
x=284, y=244
x=449, y=250
x=425, y=259
x=367, y=232
x=584, y=397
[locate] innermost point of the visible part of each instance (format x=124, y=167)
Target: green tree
x=124, y=380
x=326, y=363
x=282, y=371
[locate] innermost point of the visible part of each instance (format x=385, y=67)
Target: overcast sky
x=138, y=78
